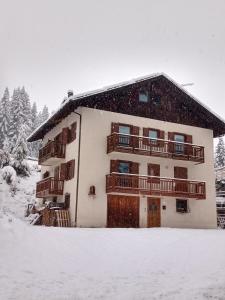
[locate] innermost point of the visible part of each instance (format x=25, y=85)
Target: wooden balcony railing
x=154, y=147
x=152, y=185
x=51, y=149
x=49, y=187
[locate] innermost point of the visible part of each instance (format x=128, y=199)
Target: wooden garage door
x=123, y=211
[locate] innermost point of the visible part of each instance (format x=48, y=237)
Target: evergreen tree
x=220, y=154
x=4, y=117
x=20, y=152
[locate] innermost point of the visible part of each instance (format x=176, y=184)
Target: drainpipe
x=78, y=167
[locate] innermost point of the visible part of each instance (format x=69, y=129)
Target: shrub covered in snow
x=8, y=174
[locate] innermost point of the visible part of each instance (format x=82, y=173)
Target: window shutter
x=73, y=131
x=114, y=127
x=134, y=168
x=181, y=172
x=171, y=145
x=161, y=134
x=56, y=173
x=135, y=131
x=63, y=169
x=171, y=136
x=65, y=135
x=113, y=166
x=145, y=133
x=188, y=139
x=70, y=169
x=189, y=148
x=154, y=170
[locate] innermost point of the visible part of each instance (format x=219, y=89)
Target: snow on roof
x=123, y=84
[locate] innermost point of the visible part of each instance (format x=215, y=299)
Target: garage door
x=123, y=211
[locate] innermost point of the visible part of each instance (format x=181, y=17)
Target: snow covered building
x=137, y=154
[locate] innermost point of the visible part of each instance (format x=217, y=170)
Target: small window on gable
x=143, y=96
x=181, y=205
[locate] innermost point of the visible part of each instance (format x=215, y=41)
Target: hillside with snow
x=14, y=198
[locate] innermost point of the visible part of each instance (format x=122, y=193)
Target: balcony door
x=124, y=138
x=154, y=212
x=181, y=186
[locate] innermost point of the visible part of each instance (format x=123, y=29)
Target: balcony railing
x=49, y=187
x=154, y=147
x=51, y=149
x=152, y=185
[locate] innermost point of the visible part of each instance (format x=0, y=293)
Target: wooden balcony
x=51, y=153
x=154, y=147
x=49, y=187
x=152, y=185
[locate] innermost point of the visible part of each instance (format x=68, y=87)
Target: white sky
x=50, y=46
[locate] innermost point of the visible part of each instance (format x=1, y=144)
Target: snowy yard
x=57, y=263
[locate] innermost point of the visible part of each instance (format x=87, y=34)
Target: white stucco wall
x=95, y=165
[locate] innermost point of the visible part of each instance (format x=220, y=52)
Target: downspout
x=78, y=167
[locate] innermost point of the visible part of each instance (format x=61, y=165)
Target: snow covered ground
x=74, y=264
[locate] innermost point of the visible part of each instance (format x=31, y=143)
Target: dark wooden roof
x=168, y=102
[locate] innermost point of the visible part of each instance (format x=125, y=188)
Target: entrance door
x=123, y=211
x=154, y=212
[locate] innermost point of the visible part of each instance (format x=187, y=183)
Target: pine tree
x=20, y=152
x=26, y=106
x=4, y=117
x=220, y=154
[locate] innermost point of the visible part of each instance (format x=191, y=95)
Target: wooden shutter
x=113, y=166
x=188, y=148
x=161, y=135
x=145, y=133
x=181, y=172
x=73, y=131
x=63, y=170
x=135, y=131
x=70, y=169
x=65, y=135
x=171, y=145
x=171, y=136
x=134, y=168
x=155, y=168
x=188, y=139
x=114, y=127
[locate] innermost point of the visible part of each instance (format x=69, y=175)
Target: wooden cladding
x=148, y=185
x=49, y=187
x=152, y=147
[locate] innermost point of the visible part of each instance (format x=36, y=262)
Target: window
x=179, y=148
x=124, y=140
x=70, y=169
x=153, y=134
x=143, y=96
x=124, y=167
x=182, y=205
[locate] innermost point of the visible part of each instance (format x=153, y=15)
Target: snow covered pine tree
x=220, y=154
x=4, y=117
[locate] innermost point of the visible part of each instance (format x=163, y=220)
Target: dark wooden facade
x=167, y=102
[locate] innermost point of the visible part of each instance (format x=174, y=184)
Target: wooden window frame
x=183, y=210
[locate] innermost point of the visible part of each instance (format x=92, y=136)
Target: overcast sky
x=50, y=46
